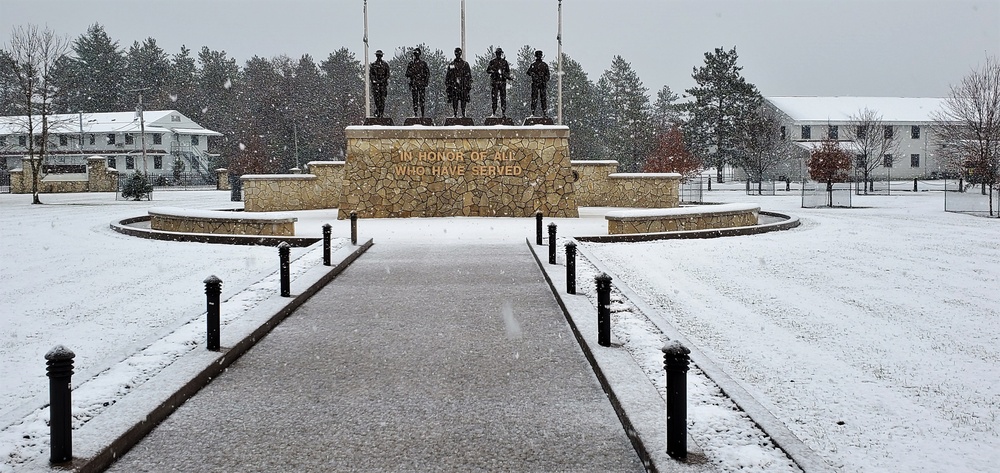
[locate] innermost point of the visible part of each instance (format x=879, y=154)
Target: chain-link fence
x=819, y=194
x=4, y=181
x=973, y=199
x=760, y=187
x=692, y=190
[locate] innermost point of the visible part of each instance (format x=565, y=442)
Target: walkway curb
x=103, y=439
x=635, y=400
x=783, y=438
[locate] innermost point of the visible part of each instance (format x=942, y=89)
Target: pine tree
x=723, y=99
x=626, y=132
x=93, y=80
x=182, y=85
x=666, y=112
x=344, y=98
x=580, y=111
x=147, y=70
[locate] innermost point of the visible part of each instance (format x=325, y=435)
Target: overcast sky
x=913, y=48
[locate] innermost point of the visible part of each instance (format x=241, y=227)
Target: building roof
x=841, y=109
x=157, y=121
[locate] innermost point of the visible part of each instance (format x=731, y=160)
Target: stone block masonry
x=458, y=171
x=702, y=217
x=320, y=189
x=171, y=219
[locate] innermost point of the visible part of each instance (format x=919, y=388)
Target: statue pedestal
x=537, y=121
x=473, y=171
x=494, y=121
x=380, y=121
x=458, y=121
x=424, y=121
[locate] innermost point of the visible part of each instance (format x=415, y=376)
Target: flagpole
x=368, y=107
x=463, y=30
x=559, y=72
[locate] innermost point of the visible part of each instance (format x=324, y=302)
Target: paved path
x=417, y=358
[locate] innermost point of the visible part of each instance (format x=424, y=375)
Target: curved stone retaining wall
x=701, y=217
x=217, y=222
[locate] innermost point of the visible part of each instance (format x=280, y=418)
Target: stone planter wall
x=170, y=219
x=702, y=217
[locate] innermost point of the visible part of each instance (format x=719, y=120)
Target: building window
x=129, y=139
x=887, y=160
x=175, y=118
x=833, y=132
x=3, y=141
x=63, y=140
x=806, y=132
x=93, y=141
x=22, y=141
x=887, y=133
x=111, y=139
x=129, y=162
x=914, y=160
x=784, y=134
x=157, y=162
x=862, y=132
x=157, y=138
x=915, y=132
x=194, y=140
x=112, y=163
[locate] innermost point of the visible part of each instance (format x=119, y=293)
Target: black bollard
x=603, y=310
x=354, y=228
x=914, y=184
x=710, y=183
x=675, y=362
x=213, y=287
x=283, y=250
x=538, y=228
x=571, y=268
x=552, y=243
x=326, y=244
x=59, y=361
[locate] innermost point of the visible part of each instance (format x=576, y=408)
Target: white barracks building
x=809, y=120
x=172, y=139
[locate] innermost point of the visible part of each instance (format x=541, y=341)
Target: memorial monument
x=419, y=76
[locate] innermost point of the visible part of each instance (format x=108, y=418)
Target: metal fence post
x=213, y=287
x=283, y=251
x=570, y=268
x=327, y=230
x=552, y=243
x=538, y=228
x=59, y=361
x=603, y=309
x=354, y=228
x=675, y=362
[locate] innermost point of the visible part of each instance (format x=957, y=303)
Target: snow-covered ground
x=871, y=332
x=67, y=278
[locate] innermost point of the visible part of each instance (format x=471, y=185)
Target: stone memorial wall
x=458, y=171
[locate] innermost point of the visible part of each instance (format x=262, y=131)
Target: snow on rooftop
x=841, y=109
x=156, y=121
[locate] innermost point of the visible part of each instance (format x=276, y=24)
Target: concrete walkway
x=416, y=358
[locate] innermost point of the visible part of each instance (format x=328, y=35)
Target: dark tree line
x=281, y=112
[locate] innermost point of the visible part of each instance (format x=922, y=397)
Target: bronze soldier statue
x=379, y=78
x=499, y=71
x=458, y=82
x=539, y=72
x=419, y=76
